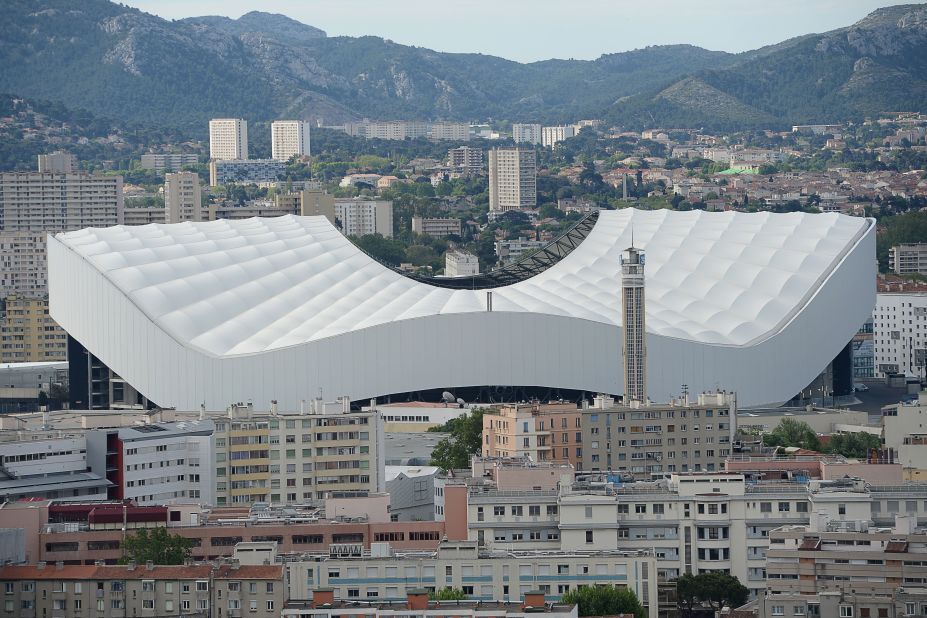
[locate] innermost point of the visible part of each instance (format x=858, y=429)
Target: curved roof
x=228, y=288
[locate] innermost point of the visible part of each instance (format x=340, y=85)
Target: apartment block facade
x=289, y=138
x=461, y=264
x=551, y=135
x=53, y=202
x=899, y=334
x=23, y=264
x=27, y=332
x=466, y=159
x=512, y=179
x=526, y=133
x=183, y=198
x=436, y=226
x=58, y=162
x=908, y=259
x=168, y=162
x=361, y=217
x=542, y=432
x=245, y=171
x=228, y=139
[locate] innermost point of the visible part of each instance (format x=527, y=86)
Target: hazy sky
x=528, y=30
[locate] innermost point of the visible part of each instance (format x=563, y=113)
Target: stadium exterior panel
x=280, y=309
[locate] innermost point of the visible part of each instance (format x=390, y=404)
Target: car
x=860, y=388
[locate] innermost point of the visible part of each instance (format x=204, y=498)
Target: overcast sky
x=528, y=30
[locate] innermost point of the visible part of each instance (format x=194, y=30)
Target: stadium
x=287, y=308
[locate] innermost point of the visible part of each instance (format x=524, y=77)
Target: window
x=846, y=611
x=498, y=510
x=658, y=509
x=202, y=585
x=784, y=507
x=778, y=610
x=589, y=536
x=518, y=511
x=765, y=507
x=534, y=510
x=588, y=512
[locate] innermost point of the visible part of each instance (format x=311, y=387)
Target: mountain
x=126, y=64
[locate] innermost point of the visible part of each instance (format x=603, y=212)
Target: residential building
x=289, y=138
x=526, y=133
x=633, y=328
x=408, y=129
x=817, y=129
x=904, y=435
x=255, y=208
x=510, y=251
x=354, y=180
x=648, y=441
x=228, y=139
x=908, y=259
x=23, y=264
x=899, y=333
x=455, y=131
x=434, y=226
x=864, y=352
x=174, y=162
x=143, y=215
x=49, y=468
x=315, y=202
x=461, y=264
x=551, y=135
x=466, y=159
x=183, y=198
x=57, y=162
x=360, y=217
x=191, y=591
x=416, y=493
x=482, y=574
x=245, y=171
x=541, y=432
x=512, y=179
x=28, y=334
x=51, y=202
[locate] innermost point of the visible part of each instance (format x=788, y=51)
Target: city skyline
x=487, y=28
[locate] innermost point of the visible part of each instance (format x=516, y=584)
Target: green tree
x=158, y=546
x=447, y=594
x=790, y=432
x=856, y=445
x=604, y=601
x=714, y=589
x=464, y=441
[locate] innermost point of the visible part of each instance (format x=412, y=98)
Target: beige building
x=289, y=138
x=360, y=217
x=456, y=131
x=541, y=432
x=436, y=226
x=52, y=202
x=908, y=259
x=143, y=215
x=183, y=198
x=461, y=264
x=466, y=159
x=512, y=179
x=23, y=264
x=228, y=139
x=28, y=334
x=193, y=591
x=58, y=162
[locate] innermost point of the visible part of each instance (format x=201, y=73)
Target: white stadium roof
x=255, y=300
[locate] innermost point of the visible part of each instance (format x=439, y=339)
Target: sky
x=529, y=30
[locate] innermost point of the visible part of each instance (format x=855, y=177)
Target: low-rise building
x=509, y=251
x=416, y=493
x=245, y=171
x=436, y=226
x=461, y=264
x=174, y=162
x=907, y=259
x=54, y=467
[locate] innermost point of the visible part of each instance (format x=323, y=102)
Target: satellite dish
x=460, y=401
x=447, y=397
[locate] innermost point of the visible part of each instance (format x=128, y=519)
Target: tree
x=790, y=432
x=466, y=440
x=714, y=589
x=447, y=594
x=158, y=546
x=856, y=445
x=604, y=601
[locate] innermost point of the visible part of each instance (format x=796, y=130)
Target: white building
x=526, y=133
x=38, y=466
x=512, y=179
x=907, y=259
x=899, y=333
x=228, y=139
x=360, y=217
x=454, y=131
x=170, y=162
x=436, y=226
x=58, y=162
x=461, y=264
x=289, y=138
x=50, y=202
x=183, y=198
x=552, y=135
x=23, y=264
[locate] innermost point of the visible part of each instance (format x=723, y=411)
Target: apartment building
x=168, y=162
x=360, y=217
x=483, y=575
x=908, y=259
x=58, y=162
x=904, y=435
x=408, y=129
x=466, y=159
x=49, y=467
x=53, y=202
x=455, y=131
x=289, y=138
x=416, y=493
x=899, y=334
x=28, y=334
x=512, y=179
x=23, y=264
x=461, y=264
x=245, y=171
x=650, y=440
x=551, y=135
x=436, y=226
x=509, y=251
x=228, y=139
x=143, y=215
x=183, y=198
x=526, y=133
x=541, y=432
x=193, y=591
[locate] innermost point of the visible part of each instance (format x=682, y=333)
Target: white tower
x=634, y=343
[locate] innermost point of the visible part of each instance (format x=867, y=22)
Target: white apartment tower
x=183, y=198
x=288, y=138
x=364, y=217
x=551, y=135
x=526, y=133
x=53, y=202
x=512, y=179
x=228, y=139
x=899, y=333
x=634, y=344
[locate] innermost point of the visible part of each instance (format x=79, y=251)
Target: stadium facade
x=287, y=308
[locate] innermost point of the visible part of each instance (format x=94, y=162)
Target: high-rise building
x=899, y=341
x=634, y=344
x=362, y=217
x=28, y=334
x=228, y=139
x=461, y=264
x=51, y=202
x=245, y=171
x=58, y=162
x=466, y=159
x=23, y=264
x=512, y=179
x=526, y=133
x=183, y=198
x=552, y=135
x=289, y=138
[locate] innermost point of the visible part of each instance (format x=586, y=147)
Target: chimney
x=132, y=565
x=533, y=598
x=417, y=599
x=323, y=597
x=273, y=407
x=202, y=411
x=40, y=566
x=345, y=404
x=149, y=565
x=59, y=565
x=302, y=406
